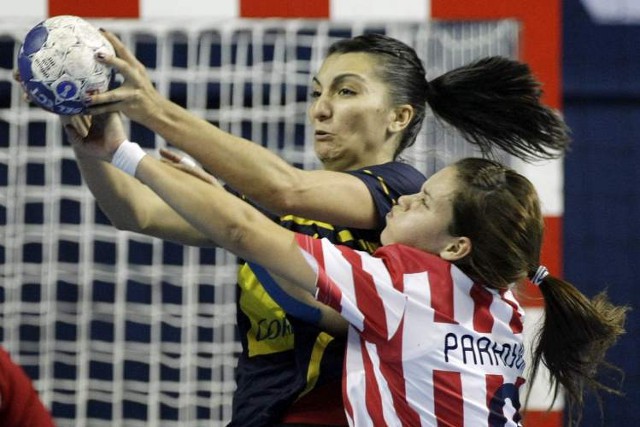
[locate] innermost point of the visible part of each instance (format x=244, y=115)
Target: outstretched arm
x=239, y=227
x=132, y=205
x=129, y=204
x=245, y=166
x=228, y=221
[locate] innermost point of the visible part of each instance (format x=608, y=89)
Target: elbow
x=281, y=195
x=126, y=219
x=286, y=198
x=283, y=203
x=236, y=237
x=128, y=224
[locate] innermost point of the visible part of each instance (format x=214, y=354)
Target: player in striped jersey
x=435, y=333
x=370, y=97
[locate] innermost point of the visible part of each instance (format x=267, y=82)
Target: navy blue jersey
x=284, y=358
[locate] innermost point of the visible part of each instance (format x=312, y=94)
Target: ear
x=457, y=249
x=401, y=117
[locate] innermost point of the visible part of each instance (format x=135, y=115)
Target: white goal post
x=121, y=329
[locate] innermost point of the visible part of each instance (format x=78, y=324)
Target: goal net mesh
x=117, y=328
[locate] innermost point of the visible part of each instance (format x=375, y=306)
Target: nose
x=404, y=201
x=320, y=109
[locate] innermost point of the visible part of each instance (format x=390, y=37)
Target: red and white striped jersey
x=427, y=346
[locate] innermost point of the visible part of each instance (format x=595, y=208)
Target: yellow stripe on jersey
x=382, y=183
x=304, y=221
x=313, y=372
x=345, y=236
x=270, y=330
x=368, y=246
x=342, y=235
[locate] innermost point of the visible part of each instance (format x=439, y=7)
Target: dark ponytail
x=495, y=103
x=572, y=343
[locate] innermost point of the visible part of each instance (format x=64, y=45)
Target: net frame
x=119, y=328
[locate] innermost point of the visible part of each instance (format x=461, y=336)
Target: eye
x=346, y=92
x=314, y=94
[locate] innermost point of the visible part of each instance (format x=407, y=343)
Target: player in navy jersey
x=435, y=333
x=369, y=100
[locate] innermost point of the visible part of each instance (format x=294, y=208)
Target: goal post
x=121, y=329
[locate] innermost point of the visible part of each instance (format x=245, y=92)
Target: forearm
x=264, y=177
x=132, y=206
x=213, y=211
x=109, y=186
x=228, y=221
x=244, y=165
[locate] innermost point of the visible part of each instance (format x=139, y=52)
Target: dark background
x=601, y=79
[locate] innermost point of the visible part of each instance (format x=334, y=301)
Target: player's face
x=350, y=112
x=422, y=220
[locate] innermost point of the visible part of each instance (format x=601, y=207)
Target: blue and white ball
x=57, y=65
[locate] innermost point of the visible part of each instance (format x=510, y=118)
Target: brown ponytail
x=499, y=211
x=574, y=338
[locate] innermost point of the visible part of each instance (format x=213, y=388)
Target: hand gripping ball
x=57, y=65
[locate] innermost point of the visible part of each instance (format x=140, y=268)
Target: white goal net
x=119, y=329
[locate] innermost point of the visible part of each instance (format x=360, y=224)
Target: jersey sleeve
x=357, y=285
x=389, y=181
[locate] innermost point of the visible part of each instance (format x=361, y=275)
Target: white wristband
x=127, y=157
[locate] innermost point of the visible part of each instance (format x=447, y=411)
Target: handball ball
x=57, y=65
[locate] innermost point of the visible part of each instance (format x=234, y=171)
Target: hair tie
x=541, y=273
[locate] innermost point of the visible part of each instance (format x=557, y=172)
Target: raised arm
x=247, y=167
x=129, y=204
x=263, y=176
x=211, y=214
x=239, y=227
x=229, y=221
